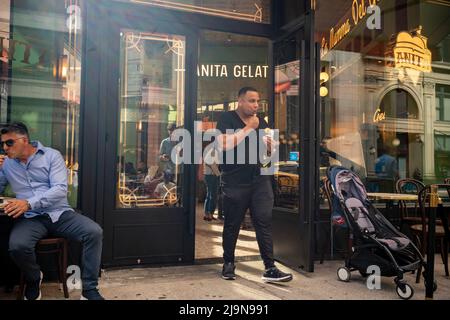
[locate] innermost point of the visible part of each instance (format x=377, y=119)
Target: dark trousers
x=211, y=193
x=72, y=226
x=259, y=199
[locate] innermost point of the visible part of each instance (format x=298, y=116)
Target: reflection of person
x=152, y=172
x=244, y=187
x=163, y=188
x=211, y=175
x=386, y=168
x=165, y=150
x=38, y=177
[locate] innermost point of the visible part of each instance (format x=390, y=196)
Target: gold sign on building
x=410, y=50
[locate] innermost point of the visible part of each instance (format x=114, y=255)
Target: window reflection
x=152, y=107
x=287, y=108
x=385, y=93
x=40, y=74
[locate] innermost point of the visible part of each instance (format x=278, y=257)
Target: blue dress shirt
x=42, y=181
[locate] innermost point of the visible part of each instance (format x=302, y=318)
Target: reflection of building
x=393, y=103
x=410, y=111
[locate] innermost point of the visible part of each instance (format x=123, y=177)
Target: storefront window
x=399, y=103
x=384, y=92
x=248, y=10
x=287, y=119
x=442, y=155
x=40, y=68
x=228, y=62
x=443, y=102
x=151, y=109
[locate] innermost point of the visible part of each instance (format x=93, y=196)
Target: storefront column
x=429, y=116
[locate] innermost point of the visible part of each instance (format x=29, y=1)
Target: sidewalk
x=203, y=282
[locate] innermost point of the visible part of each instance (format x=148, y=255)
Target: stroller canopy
x=346, y=184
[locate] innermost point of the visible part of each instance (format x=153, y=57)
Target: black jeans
x=258, y=197
x=71, y=225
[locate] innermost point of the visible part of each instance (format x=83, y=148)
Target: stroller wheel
x=343, y=274
x=405, y=291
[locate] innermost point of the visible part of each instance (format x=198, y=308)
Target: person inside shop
x=165, y=150
x=164, y=187
x=38, y=177
x=211, y=176
x=244, y=187
x=386, y=169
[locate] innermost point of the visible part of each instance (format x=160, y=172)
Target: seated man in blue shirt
x=38, y=177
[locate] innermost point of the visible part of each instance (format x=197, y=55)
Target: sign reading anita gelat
x=232, y=71
x=410, y=50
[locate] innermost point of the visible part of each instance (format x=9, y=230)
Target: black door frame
x=98, y=76
x=297, y=231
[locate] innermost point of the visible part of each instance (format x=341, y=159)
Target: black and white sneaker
x=228, y=271
x=276, y=275
x=33, y=289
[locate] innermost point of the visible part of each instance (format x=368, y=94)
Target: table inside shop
x=393, y=196
x=392, y=211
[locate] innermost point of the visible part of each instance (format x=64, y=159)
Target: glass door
x=293, y=210
x=146, y=210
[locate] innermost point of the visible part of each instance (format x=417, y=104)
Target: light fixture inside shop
x=323, y=92
x=396, y=142
x=61, y=68
x=324, y=77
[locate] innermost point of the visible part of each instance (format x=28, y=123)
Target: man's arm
x=227, y=142
x=58, y=185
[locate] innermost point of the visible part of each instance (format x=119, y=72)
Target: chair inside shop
x=442, y=233
x=409, y=210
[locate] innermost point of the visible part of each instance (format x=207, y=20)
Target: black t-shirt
x=234, y=173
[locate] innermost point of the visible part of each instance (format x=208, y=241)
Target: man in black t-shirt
x=243, y=185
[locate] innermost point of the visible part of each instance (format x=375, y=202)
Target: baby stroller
x=374, y=240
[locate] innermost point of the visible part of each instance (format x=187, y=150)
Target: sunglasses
x=9, y=142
